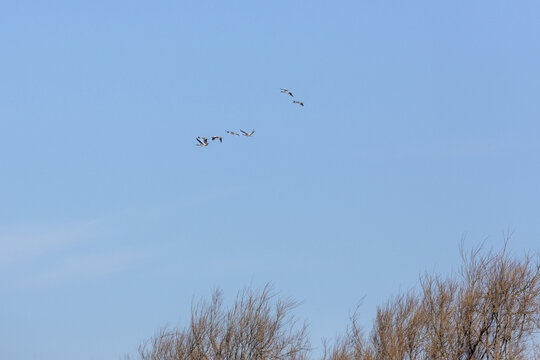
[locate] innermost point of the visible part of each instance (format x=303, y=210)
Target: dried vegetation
x=490, y=310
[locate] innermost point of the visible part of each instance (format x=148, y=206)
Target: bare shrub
x=352, y=345
x=258, y=326
x=490, y=310
x=398, y=329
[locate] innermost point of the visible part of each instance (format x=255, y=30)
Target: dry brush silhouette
x=488, y=310
x=258, y=326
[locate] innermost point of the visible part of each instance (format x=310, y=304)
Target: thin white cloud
x=87, y=266
x=31, y=242
x=50, y=255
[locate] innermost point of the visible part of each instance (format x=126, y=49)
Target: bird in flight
x=285, y=91
x=204, y=141
x=217, y=138
x=232, y=133
x=246, y=134
x=298, y=102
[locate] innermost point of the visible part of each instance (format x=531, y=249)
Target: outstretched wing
x=200, y=142
x=243, y=132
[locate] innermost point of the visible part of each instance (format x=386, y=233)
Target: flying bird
x=202, y=143
x=232, y=133
x=246, y=134
x=298, y=102
x=285, y=91
x=217, y=138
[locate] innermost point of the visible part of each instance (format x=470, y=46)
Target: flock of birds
x=203, y=141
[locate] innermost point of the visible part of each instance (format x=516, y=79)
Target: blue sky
x=420, y=125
